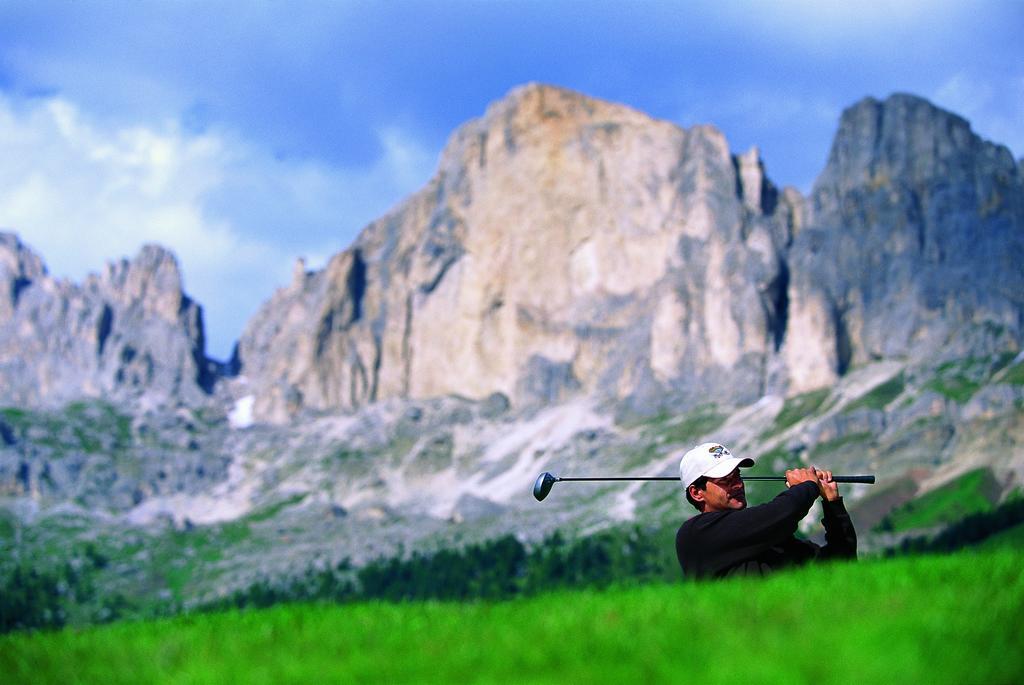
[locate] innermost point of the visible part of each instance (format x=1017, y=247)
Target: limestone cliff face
x=565, y=245
x=915, y=245
x=129, y=332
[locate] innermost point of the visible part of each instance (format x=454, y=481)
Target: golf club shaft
x=836, y=479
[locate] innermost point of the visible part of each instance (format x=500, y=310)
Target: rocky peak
x=17, y=259
x=905, y=138
x=564, y=244
x=151, y=281
x=130, y=332
x=19, y=267
x=758, y=193
x=914, y=246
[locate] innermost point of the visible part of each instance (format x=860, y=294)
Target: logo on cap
x=717, y=452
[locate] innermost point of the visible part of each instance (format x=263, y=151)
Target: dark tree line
x=496, y=569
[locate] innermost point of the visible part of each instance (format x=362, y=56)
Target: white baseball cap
x=709, y=459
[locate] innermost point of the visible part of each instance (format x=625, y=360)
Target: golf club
x=542, y=487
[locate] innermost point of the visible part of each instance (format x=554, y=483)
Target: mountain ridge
x=699, y=203
x=569, y=246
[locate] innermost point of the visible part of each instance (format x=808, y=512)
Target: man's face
x=723, y=494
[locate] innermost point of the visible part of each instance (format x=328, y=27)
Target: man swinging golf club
x=728, y=538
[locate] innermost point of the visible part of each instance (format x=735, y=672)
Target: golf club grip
x=869, y=480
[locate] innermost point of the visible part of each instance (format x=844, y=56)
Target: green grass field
x=934, y=619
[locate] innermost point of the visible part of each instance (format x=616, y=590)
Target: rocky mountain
x=127, y=333
x=914, y=245
x=572, y=247
x=565, y=247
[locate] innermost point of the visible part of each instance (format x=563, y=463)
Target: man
x=728, y=538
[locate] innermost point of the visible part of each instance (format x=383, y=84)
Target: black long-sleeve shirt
x=759, y=540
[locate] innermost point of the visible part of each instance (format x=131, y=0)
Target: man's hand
x=797, y=476
x=829, y=488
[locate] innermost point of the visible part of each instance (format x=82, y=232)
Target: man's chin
x=739, y=504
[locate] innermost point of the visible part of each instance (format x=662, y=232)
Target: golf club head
x=543, y=485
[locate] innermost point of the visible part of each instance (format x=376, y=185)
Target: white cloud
x=82, y=194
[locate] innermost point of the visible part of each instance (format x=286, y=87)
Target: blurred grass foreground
x=923, y=618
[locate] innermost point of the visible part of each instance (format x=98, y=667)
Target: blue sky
x=243, y=135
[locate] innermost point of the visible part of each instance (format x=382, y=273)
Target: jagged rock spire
x=129, y=332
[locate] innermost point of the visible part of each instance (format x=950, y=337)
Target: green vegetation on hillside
x=821, y=451
x=668, y=428
x=87, y=427
x=957, y=388
x=959, y=379
x=683, y=429
x=880, y=395
x=912, y=619
x=1015, y=374
x=971, y=493
x=1000, y=527
x=797, y=408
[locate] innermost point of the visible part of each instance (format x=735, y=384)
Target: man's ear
x=695, y=493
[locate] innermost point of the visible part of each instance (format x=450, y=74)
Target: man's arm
x=840, y=536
